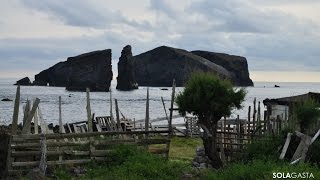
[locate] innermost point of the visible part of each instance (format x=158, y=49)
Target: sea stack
x=90, y=70
x=236, y=65
x=24, y=82
x=126, y=80
x=158, y=67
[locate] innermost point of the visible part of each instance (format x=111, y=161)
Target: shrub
x=265, y=148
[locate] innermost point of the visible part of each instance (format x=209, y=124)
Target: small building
x=283, y=107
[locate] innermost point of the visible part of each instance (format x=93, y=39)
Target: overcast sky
x=279, y=38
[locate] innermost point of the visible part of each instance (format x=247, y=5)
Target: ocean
x=132, y=104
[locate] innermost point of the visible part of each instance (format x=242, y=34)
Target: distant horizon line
x=256, y=76
x=258, y=81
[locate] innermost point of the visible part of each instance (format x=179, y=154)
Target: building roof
x=293, y=99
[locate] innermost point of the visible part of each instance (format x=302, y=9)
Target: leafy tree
x=209, y=98
x=307, y=113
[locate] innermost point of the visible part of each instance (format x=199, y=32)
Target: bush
x=265, y=148
x=313, y=155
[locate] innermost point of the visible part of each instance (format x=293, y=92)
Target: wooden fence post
x=170, y=119
x=279, y=120
x=16, y=112
x=223, y=130
x=264, y=122
x=26, y=112
x=111, y=114
x=146, y=125
x=259, y=119
x=90, y=122
x=117, y=115
x=171, y=106
x=26, y=127
x=249, y=119
x=164, y=107
x=254, y=115
x=61, y=128
x=36, y=123
x=89, y=115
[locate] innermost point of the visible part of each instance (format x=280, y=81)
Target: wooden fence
x=78, y=143
x=25, y=151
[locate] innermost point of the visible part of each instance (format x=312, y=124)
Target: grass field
x=129, y=162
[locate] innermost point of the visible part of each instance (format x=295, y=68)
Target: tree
x=209, y=98
x=307, y=113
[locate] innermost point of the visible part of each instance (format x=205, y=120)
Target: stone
x=200, y=151
x=24, y=82
x=126, y=79
x=200, y=159
x=78, y=171
x=195, y=164
x=92, y=70
x=236, y=65
x=186, y=176
x=158, y=67
x=203, y=165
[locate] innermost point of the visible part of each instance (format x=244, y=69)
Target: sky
x=279, y=38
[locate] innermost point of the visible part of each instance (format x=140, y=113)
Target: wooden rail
x=25, y=150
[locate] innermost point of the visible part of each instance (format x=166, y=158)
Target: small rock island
x=126, y=78
x=91, y=70
x=157, y=68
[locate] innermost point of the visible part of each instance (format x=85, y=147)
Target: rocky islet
x=156, y=67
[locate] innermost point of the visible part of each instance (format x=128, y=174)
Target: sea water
x=132, y=104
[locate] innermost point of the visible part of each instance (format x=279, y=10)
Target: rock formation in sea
x=24, y=82
x=126, y=79
x=158, y=67
x=236, y=65
x=91, y=70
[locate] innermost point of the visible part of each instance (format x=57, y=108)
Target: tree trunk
x=211, y=145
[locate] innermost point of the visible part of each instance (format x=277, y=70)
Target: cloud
x=271, y=39
x=80, y=13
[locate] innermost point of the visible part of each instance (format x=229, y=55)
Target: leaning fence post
x=16, y=112
x=285, y=147
x=164, y=107
x=117, y=114
x=26, y=127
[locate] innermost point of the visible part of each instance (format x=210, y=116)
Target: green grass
x=258, y=169
x=130, y=162
x=184, y=148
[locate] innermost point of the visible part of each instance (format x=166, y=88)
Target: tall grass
x=131, y=162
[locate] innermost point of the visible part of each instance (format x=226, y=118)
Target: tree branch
x=206, y=131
